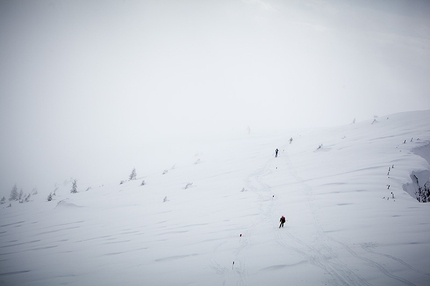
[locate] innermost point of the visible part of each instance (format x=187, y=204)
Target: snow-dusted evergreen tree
x=3, y=200
x=74, y=189
x=14, y=194
x=133, y=174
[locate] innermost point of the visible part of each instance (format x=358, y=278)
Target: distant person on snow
x=291, y=140
x=276, y=152
x=282, y=220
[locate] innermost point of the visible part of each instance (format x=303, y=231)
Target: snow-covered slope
x=213, y=219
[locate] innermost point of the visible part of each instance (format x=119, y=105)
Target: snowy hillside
x=347, y=194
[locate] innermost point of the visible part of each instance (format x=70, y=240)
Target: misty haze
x=127, y=124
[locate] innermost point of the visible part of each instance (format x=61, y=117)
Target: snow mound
x=66, y=204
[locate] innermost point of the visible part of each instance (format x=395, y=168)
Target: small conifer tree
x=74, y=189
x=14, y=194
x=133, y=174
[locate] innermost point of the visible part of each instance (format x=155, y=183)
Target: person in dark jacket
x=276, y=152
x=282, y=220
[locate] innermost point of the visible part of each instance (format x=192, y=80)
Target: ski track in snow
x=323, y=255
x=322, y=252
x=319, y=253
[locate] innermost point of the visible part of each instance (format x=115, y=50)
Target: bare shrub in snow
x=423, y=194
x=143, y=183
x=189, y=185
x=49, y=198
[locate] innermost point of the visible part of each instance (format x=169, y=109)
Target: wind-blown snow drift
x=349, y=220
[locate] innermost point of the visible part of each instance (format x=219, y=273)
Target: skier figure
x=276, y=152
x=282, y=220
x=291, y=140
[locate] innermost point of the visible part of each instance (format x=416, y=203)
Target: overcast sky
x=89, y=89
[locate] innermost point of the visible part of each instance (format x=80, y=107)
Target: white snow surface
x=213, y=219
